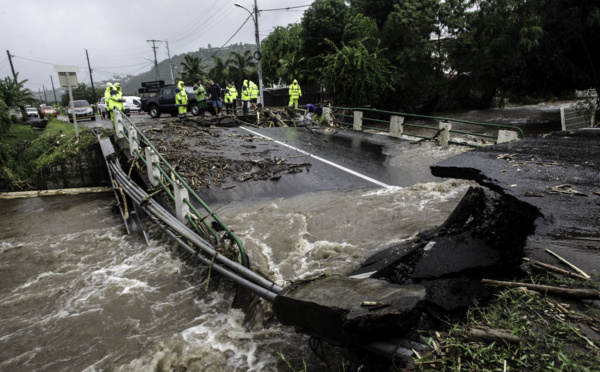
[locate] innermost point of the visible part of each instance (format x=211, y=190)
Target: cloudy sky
x=42, y=33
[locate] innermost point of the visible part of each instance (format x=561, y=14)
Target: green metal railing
x=203, y=228
x=498, y=126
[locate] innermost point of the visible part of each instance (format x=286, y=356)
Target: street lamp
x=155, y=66
x=257, y=54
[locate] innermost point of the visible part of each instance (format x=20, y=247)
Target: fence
x=395, y=124
x=175, y=187
x=572, y=118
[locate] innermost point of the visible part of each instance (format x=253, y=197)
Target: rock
x=330, y=308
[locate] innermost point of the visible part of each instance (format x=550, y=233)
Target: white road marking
x=320, y=158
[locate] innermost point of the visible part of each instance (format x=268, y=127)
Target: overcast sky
x=42, y=33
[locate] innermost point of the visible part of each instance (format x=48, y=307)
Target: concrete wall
x=86, y=170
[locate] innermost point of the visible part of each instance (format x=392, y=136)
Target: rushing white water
x=78, y=294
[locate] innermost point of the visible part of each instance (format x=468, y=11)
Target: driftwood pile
x=213, y=156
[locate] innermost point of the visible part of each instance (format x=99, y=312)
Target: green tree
x=14, y=93
x=219, y=73
x=280, y=43
x=292, y=67
x=356, y=76
x=192, y=69
x=324, y=19
x=80, y=93
x=240, y=66
x=492, y=50
x=571, y=40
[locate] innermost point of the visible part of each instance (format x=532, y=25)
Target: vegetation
x=82, y=92
x=451, y=54
x=26, y=151
x=551, y=333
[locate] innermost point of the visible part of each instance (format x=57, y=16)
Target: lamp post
x=155, y=65
x=257, y=54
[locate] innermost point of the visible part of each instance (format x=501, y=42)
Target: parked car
x=32, y=112
x=133, y=103
x=83, y=110
x=47, y=110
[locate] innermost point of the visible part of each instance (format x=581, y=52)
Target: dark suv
x=161, y=99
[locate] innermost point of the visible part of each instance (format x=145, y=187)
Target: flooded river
x=78, y=294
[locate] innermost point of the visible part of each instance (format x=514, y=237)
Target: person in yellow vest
x=253, y=93
x=200, y=93
x=116, y=101
x=181, y=99
x=295, y=94
x=230, y=97
x=245, y=97
x=108, y=109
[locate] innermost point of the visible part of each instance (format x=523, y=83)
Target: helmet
x=109, y=85
x=117, y=85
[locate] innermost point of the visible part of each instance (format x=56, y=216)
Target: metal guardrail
x=170, y=183
x=341, y=111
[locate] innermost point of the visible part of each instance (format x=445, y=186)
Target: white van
x=133, y=103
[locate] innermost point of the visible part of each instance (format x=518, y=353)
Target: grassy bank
x=25, y=150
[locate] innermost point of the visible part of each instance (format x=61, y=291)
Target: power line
x=288, y=8
x=238, y=30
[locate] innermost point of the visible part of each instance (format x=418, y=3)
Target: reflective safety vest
x=200, y=92
x=245, y=91
x=295, y=91
x=107, y=99
x=181, y=96
x=116, y=99
x=253, y=90
x=231, y=94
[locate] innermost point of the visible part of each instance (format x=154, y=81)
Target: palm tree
x=219, y=73
x=291, y=67
x=13, y=93
x=239, y=64
x=193, y=69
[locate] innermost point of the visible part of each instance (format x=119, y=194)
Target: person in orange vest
x=295, y=94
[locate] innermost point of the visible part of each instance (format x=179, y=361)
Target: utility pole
x=170, y=64
x=53, y=90
x=91, y=78
x=45, y=97
x=257, y=54
x=11, y=66
x=154, y=49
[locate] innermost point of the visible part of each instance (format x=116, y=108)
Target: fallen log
x=559, y=270
x=488, y=335
x=581, y=294
x=57, y=192
x=274, y=116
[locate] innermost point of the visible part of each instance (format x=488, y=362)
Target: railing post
x=358, y=119
x=118, y=123
x=506, y=136
x=153, y=171
x=181, y=208
x=563, y=123
x=133, y=136
x=396, y=127
x=444, y=136
x=326, y=115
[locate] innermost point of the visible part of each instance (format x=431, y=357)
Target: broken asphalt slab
x=555, y=179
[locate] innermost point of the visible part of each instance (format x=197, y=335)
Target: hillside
x=131, y=83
